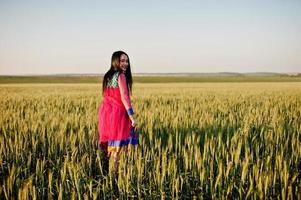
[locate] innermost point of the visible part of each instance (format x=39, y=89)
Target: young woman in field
x=116, y=121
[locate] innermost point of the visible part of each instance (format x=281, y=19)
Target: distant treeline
x=148, y=79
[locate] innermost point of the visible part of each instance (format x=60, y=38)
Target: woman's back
x=112, y=91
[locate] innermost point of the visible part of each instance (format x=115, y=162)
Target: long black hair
x=115, y=66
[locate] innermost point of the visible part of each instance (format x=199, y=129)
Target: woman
x=116, y=119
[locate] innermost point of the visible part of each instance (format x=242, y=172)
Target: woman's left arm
x=124, y=92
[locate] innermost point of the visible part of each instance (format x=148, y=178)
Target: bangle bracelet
x=130, y=111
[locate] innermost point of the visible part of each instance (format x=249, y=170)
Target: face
x=124, y=62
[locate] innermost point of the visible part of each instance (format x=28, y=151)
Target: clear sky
x=52, y=37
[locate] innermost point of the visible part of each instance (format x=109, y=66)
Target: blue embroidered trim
x=130, y=111
x=133, y=140
x=121, y=143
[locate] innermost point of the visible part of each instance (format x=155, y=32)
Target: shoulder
x=115, y=75
x=121, y=76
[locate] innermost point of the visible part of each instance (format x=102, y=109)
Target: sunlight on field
x=204, y=140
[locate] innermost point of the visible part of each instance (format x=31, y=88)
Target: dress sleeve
x=124, y=93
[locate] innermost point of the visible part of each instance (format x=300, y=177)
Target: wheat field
x=197, y=141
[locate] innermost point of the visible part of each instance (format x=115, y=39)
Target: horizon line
x=155, y=73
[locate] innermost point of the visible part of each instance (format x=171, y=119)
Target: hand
x=134, y=123
x=133, y=120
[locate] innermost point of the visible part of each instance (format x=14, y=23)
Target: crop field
x=197, y=141
x=152, y=79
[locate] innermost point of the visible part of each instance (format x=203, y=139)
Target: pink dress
x=114, y=125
